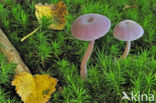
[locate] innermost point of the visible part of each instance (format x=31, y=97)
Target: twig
x=13, y=56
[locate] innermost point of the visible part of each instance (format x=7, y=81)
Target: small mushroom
x=89, y=27
x=128, y=30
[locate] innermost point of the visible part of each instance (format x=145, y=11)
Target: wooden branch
x=12, y=54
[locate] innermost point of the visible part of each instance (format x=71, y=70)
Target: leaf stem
x=30, y=34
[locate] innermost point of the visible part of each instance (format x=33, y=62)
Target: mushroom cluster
x=90, y=27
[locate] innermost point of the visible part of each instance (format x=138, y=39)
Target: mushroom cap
x=128, y=30
x=90, y=27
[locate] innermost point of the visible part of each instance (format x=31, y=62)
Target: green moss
x=59, y=54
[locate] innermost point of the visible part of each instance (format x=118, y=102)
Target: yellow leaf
x=34, y=89
x=54, y=12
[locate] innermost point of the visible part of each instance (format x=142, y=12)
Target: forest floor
x=59, y=54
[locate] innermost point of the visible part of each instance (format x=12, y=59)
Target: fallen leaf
x=34, y=89
x=54, y=12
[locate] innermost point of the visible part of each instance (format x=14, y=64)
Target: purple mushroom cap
x=128, y=30
x=90, y=27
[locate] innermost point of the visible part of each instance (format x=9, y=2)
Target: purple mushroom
x=128, y=30
x=89, y=27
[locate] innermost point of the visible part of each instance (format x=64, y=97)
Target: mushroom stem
x=88, y=52
x=125, y=53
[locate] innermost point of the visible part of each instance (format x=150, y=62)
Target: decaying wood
x=12, y=54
